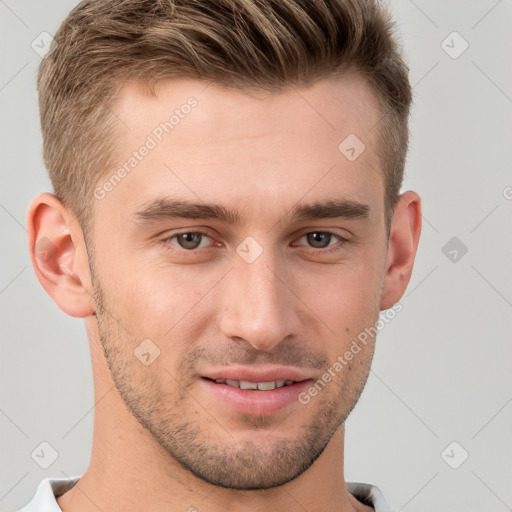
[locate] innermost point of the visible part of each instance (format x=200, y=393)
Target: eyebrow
x=167, y=208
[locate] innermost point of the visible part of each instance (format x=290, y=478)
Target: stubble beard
x=218, y=456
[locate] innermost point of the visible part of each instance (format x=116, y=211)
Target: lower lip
x=255, y=402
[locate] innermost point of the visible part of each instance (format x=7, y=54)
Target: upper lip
x=252, y=374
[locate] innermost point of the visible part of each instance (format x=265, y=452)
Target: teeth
x=244, y=384
x=262, y=386
x=266, y=386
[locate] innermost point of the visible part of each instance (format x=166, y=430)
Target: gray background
x=442, y=369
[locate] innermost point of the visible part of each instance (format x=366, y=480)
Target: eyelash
x=325, y=250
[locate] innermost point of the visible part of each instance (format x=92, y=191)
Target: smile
x=261, y=386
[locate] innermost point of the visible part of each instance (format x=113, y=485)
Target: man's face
x=276, y=296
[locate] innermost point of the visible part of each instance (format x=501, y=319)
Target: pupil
x=191, y=240
x=319, y=238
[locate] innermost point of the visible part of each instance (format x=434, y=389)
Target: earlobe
x=57, y=250
x=403, y=244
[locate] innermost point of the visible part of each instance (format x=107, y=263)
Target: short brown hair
x=245, y=44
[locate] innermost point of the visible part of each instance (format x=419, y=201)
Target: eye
x=189, y=240
x=322, y=239
x=193, y=240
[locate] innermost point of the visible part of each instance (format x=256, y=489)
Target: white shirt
x=45, y=498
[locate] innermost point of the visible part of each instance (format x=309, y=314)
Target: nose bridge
x=257, y=305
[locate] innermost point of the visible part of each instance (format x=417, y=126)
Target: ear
x=59, y=256
x=403, y=243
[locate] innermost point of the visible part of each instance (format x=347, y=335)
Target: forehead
x=337, y=105
x=213, y=143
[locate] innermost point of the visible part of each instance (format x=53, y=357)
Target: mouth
x=259, y=386
x=252, y=392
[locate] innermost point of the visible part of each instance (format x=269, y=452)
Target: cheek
x=164, y=303
x=345, y=296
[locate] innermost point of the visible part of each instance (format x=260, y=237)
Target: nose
x=257, y=304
